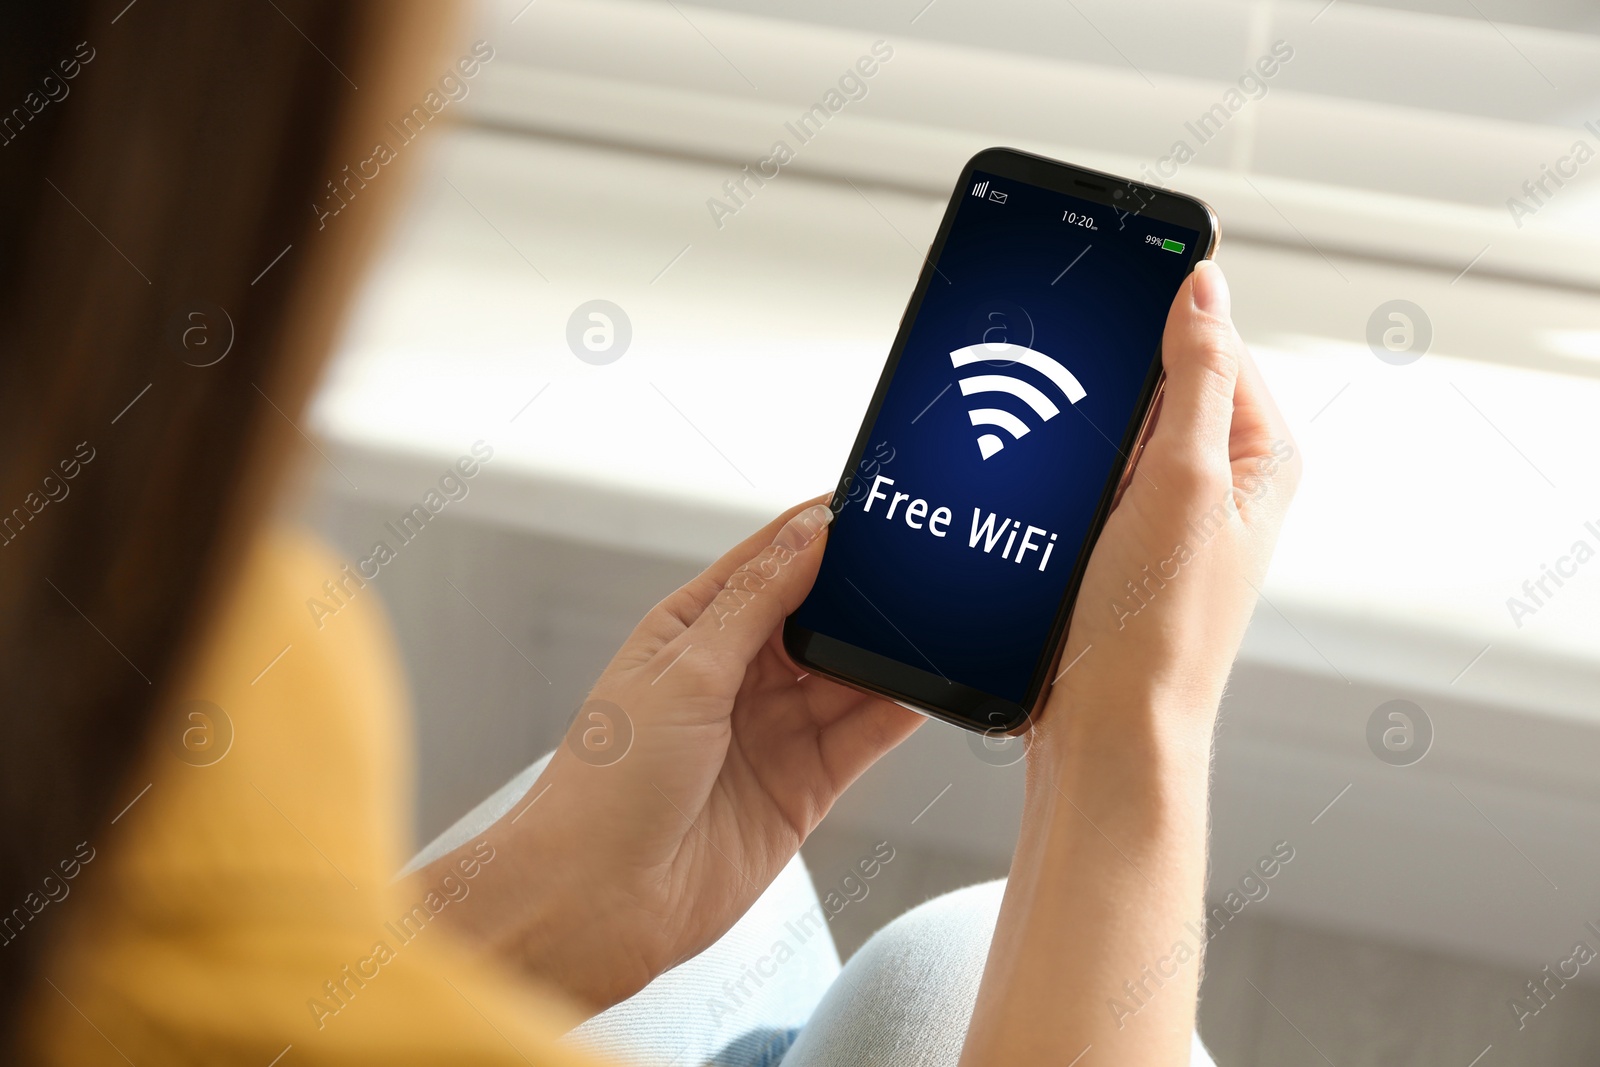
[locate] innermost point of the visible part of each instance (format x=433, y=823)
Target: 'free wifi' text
x=989, y=530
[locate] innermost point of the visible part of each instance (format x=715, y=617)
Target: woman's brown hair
x=167, y=292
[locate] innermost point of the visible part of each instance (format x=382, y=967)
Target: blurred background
x=1410, y=211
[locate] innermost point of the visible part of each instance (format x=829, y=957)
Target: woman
x=232, y=902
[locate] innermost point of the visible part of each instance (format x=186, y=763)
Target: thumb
x=1201, y=353
x=761, y=592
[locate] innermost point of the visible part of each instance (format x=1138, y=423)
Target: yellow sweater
x=242, y=908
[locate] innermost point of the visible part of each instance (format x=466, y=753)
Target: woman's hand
x=1175, y=576
x=701, y=761
x=1096, y=945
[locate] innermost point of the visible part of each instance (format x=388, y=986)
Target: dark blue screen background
x=935, y=603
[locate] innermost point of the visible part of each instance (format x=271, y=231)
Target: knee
x=947, y=936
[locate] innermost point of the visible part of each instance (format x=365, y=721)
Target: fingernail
x=803, y=529
x=1211, y=290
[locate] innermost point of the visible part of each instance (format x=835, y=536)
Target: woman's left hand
x=701, y=761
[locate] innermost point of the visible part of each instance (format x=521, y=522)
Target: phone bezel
x=930, y=693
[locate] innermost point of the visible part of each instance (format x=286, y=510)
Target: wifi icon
x=1027, y=392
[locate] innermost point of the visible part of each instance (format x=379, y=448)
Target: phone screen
x=978, y=484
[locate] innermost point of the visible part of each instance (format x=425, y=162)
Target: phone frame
x=917, y=689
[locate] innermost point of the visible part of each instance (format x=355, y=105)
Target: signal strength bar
x=981, y=188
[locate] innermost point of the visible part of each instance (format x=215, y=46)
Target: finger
x=1265, y=461
x=862, y=736
x=854, y=728
x=827, y=700
x=760, y=592
x=685, y=604
x=1258, y=425
x=1200, y=352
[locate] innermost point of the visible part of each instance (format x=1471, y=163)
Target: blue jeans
x=772, y=989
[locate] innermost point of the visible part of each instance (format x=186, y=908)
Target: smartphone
x=1010, y=412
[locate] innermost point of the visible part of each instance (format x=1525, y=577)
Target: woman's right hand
x=1095, y=946
x=1174, y=578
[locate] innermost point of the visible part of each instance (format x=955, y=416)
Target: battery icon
x=1172, y=246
